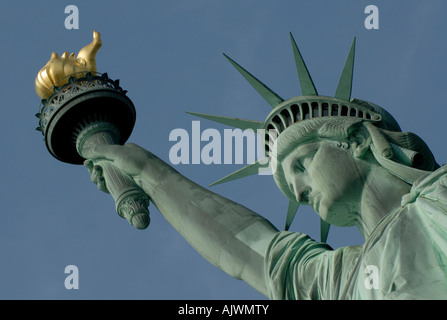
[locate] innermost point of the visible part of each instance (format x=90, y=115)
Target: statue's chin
x=336, y=214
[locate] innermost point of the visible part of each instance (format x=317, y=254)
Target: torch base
x=79, y=103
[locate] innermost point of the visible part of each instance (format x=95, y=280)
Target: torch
x=82, y=108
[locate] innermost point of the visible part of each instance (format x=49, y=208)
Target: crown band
x=303, y=108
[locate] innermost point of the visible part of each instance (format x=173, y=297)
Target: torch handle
x=131, y=202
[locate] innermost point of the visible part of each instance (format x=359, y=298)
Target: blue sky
x=168, y=55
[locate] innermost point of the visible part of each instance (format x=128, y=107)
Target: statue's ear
x=361, y=141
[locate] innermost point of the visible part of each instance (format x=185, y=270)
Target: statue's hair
x=403, y=148
x=333, y=128
x=344, y=129
x=410, y=141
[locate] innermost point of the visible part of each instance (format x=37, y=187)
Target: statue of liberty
x=346, y=158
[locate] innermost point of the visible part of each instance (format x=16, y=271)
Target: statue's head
x=320, y=148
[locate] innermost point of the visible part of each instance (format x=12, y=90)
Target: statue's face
x=327, y=177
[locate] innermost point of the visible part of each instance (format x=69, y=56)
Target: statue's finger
x=97, y=169
x=102, y=151
x=89, y=165
x=96, y=174
x=102, y=184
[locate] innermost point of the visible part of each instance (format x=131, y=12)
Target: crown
x=310, y=105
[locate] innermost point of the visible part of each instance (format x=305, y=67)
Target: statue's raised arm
x=227, y=234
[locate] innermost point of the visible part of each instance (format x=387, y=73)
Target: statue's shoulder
x=437, y=177
x=432, y=186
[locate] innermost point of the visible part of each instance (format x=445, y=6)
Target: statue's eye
x=303, y=162
x=299, y=165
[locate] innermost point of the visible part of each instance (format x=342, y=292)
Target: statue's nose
x=301, y=192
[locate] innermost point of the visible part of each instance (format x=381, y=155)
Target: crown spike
x=246, y=171
x=291, y=212
x=306, y=83
x=271, y=97
x=233, y=122
x=344, y=87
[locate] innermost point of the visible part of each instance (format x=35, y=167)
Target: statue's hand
x=130, y=159
x=95, y=171
x=59, y=68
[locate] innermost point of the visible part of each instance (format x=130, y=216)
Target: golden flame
x=57, y=69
